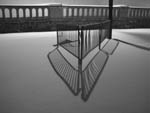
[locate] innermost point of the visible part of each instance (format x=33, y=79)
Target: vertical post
x=57, y=39
x=80, y=85
x=110, y=17
x=79, y=35
x=82, y=43
x=100, y=38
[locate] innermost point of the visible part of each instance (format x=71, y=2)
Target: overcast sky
x=140, y=3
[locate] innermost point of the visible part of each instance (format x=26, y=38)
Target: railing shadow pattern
x=65, y=70
x=72, y=77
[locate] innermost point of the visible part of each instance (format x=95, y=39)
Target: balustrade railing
x=70, y=11
x=15, y=12
x=24, y=18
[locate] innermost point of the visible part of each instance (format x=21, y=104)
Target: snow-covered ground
x=135, y=36
x=28, y=83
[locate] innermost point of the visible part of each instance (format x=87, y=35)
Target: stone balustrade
x=70, y=11
x=60, y=13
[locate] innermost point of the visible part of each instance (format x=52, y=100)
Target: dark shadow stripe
x=134, y=45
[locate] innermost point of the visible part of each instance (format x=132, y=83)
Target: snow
x=28, y=83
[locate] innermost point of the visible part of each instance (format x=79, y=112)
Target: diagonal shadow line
x=134, y=45
x=74, y=89
x=86, y=94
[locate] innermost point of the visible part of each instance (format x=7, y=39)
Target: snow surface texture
x=28, y=83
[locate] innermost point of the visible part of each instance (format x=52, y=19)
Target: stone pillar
x=57, y=12
x=123, y=12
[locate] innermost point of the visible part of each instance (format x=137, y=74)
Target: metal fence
x=83, y=39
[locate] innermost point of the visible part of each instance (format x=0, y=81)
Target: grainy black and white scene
x=75, y=56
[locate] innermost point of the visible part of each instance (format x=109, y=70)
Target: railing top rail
x=46, y=4
x=95, y=25
x=67, y=5
x=83, y=26
x=137, y=7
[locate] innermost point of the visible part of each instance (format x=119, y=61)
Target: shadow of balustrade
x=78, y=79
x=79, y=45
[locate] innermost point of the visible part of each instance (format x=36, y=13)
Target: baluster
x=146, y=13
x=3, y=13
x=82, y=12
x=24, y=13
x=113, y=12
x=134, y=15
x=97, y=12
x=87, y=12
x=143, y=13
x=37, y=13
x=102, y=12
x=67, y=12
x=17, y=11
x=137, y=12
x=140, y=12
x=116, y=13
x=77, y=12
x=107, y=12
x=72, y=12
x=30, y=9
x=10, y=13
x=43, y=12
